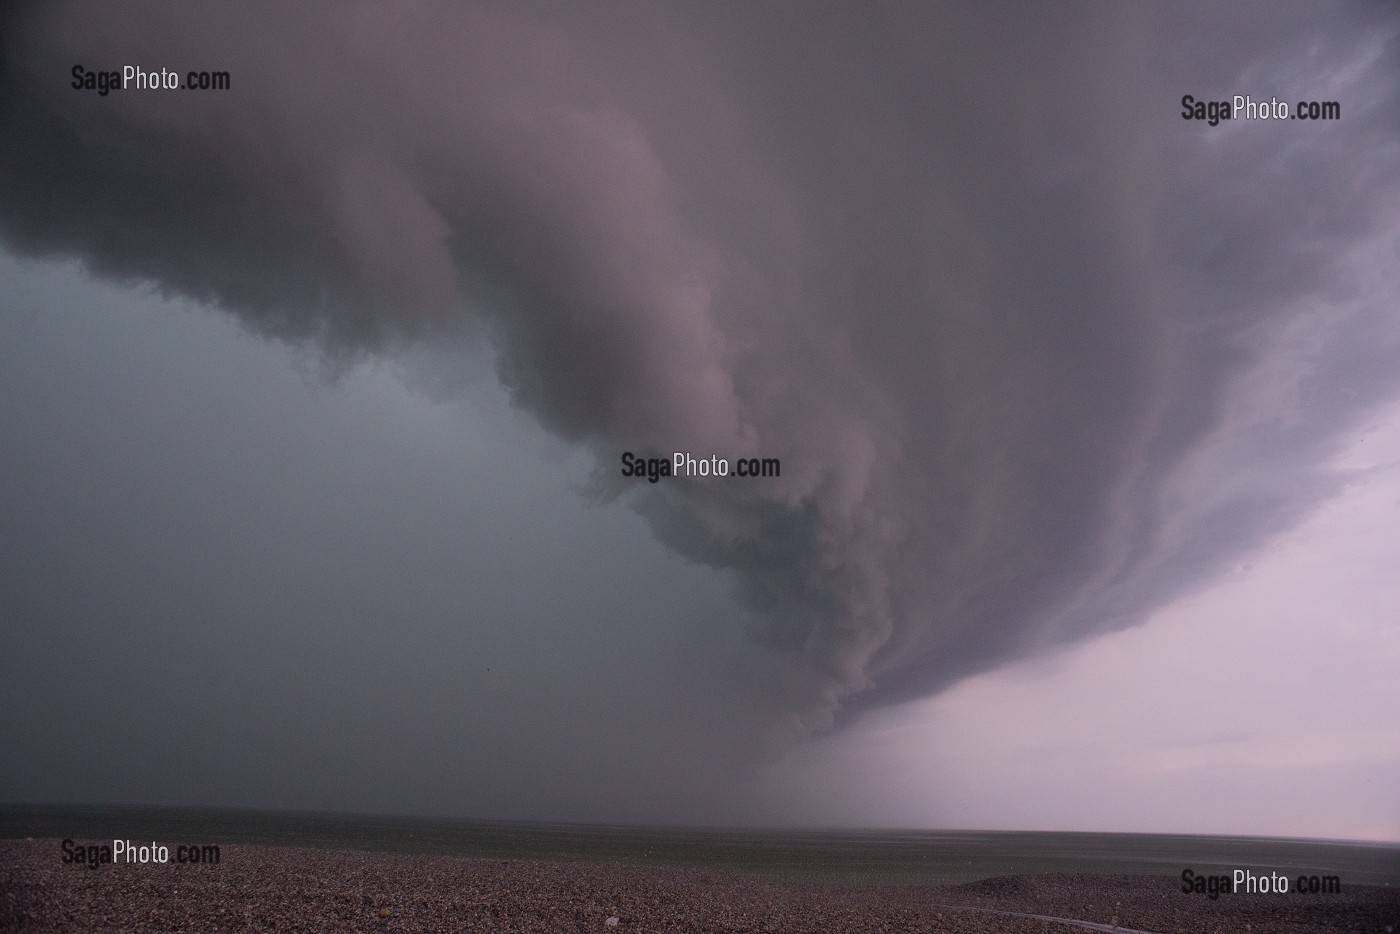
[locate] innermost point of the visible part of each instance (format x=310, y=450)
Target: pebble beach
x=257, y=888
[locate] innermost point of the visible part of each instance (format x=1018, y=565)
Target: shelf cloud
x=1035, y=352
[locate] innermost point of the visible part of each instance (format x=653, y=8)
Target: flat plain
x=281, y=871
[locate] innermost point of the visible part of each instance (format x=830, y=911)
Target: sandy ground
x=286, y=889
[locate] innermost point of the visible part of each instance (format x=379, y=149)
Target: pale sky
x=1265, y=704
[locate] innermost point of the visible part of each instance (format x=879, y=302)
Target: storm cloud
x=1036, y=353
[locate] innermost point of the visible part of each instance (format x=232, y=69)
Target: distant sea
x=886, y=857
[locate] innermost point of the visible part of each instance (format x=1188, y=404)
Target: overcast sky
x=313, y=393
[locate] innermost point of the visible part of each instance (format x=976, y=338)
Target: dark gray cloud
x=224, y=581
x=965, y=270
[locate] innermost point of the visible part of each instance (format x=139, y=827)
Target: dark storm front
x=685, y=464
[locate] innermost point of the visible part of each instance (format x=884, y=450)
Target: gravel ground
x=257, y=888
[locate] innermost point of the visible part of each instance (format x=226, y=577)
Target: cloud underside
x=1035, y=352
